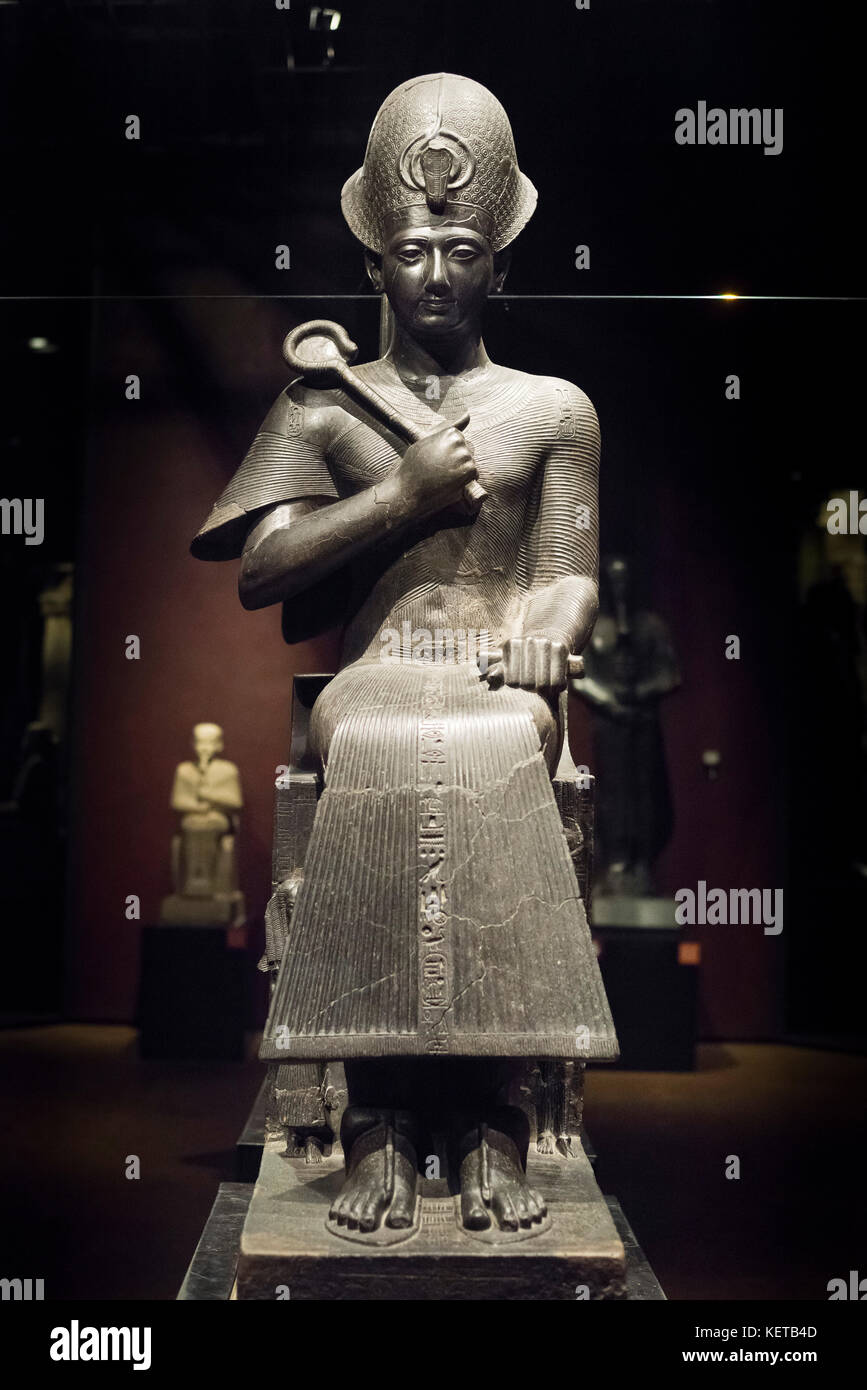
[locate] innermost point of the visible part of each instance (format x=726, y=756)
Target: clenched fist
x=533, y=663
x=434, y=472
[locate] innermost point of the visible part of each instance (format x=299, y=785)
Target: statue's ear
x=502, y=261
x=373, y=266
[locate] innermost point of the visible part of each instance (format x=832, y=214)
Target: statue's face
x=437, y=279
x=207, y=741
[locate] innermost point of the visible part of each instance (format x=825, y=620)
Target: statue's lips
x=435, y=306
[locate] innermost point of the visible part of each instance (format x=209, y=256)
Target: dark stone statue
x=434, y=949
x=630, y=666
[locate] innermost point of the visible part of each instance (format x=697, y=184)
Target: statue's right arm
x=296, y=544
x=184, y=798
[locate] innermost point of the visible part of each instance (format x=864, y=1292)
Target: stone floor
x=77, y=1102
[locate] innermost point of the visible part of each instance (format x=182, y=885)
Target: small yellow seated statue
x=207, y=795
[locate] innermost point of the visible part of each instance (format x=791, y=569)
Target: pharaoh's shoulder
x=569, y=410
x=300, y=412
x=287, y=460
x=560, y=409
x=223, y=767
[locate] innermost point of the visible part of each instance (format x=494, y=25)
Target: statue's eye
x=464, y=252
x=410, y=252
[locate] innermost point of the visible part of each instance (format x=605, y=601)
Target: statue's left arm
x=223, y=787
x=561, y=555
x=185, y=796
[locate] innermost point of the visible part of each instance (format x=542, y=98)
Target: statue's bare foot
x=545, y=1144
x=312, y=1150
x=494, y=1187
x=381, y=1170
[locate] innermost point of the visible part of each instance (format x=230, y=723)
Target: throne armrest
x=298, y=785
x=575, y=794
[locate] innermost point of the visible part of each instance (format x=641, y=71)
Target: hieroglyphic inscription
x=294, y=417
x=437, y=1211
x=432, y=844
x=566, y=428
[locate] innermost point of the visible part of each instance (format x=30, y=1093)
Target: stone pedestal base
x=285, y=1245
x=620, y=910
x=211, y=1275
x=219, y=911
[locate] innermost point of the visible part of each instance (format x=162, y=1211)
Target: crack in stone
x=497, y=792
x=526, y=898
x=479, y=980
x=359, y=989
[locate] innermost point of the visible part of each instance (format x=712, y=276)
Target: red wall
x=154, y=469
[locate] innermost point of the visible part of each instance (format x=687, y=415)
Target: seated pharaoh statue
x=207, y=795
x=438, y=943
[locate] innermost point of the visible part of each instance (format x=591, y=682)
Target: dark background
x=239, y=152
x=157, y=257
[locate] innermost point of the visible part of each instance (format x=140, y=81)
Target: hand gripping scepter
x=574, y=664
x=321, y=351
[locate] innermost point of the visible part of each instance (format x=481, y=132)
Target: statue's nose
x=437, y=276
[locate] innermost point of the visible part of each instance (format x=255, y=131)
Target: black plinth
x=192, y=995
x=211, y=1274
x=251, y=1140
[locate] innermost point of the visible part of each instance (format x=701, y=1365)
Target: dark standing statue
x=438, y=944
x=630, y=665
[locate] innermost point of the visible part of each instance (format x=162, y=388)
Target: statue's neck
x=448, y=356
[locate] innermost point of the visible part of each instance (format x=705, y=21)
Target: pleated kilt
x=439, y=913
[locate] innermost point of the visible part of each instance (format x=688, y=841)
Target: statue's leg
x=379, y=1134
x=392, y=1102
x=381, y=1169
x=549, y=1104
x=489, y=1152
x=559, y=1105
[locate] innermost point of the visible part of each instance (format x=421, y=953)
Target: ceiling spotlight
x=43, y=345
